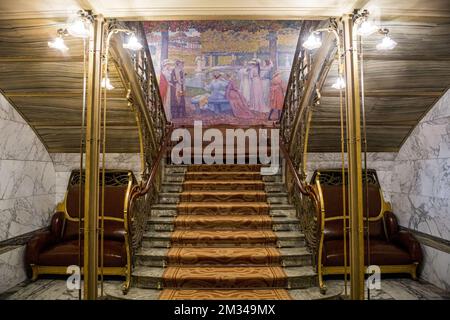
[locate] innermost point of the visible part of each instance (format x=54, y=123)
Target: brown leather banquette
x=53, y=250
x=393, y=250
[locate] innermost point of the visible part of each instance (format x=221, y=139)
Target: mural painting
x=222, y=72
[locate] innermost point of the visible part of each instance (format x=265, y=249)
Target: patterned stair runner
x=223, y=246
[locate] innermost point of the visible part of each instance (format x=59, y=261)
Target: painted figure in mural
x=199, y=63
x=244, y=81
x=217, y=87
x=266, y=76
x=256, y=88
x=165, y=87
x=177, y=92
x=238, y=103
x=277, y=90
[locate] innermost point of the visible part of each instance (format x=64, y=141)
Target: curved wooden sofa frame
x=322, y=270
x=124, y=271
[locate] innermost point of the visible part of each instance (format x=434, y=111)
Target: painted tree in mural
x=247, y=30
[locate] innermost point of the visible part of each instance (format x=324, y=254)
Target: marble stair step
x=177, y=187
x=222, y=175
x=169, y=223
x=223, y=196
x=225, y=168
x=170, y=210
x=158, y=257
x=181, y=176
x=214, y=195
x=224, y=277
x=223, y=208
x=114, y=292
x=204, y=185
x=216, y=238
x=222, y=222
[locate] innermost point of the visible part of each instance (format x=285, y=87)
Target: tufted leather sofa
x=52, y=251
x=393, y=250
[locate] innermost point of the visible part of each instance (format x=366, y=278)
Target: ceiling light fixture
x=339, y=83
x=58, y=42
x=386, y=43
x=106, y=83
x=313, y=42
x=367, y=28
x=78, y=25
x=133, y=43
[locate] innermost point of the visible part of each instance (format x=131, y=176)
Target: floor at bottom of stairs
x=56, y=289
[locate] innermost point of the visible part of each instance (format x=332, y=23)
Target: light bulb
x=58, y=44
x=386, y=44
x=106, y=83
x=339, y=84
x=77, y=28
x=367, y=28
x=313, y=42
x=133, y=44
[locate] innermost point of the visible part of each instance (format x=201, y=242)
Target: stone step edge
x=171, y=220
x=161, y=253
x=166, y=235
x=113, y=291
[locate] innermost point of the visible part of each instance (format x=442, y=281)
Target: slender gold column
x=91, y=189
x=354, y=161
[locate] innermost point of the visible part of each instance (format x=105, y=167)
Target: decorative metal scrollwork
x=334, y=177
x=113, y=178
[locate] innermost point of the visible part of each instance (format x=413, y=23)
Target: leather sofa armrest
x=37, y=244
x=43, y=239
x=57, y=224
x=391, y=224
x=406, y=240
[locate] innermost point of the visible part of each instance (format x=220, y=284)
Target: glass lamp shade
x=58, y=44
x=313, y=42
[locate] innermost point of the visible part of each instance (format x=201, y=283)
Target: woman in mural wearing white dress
x=266, y=76
x=256, y=88
x=244, y=81
x=165, y=87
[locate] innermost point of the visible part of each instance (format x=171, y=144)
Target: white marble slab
x=64, y=163
x=12, y=270
x=27, y=188
x=436, y=267
x=421, y=186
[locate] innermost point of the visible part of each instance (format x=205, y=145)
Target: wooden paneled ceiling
x=401, y=85
x=45, y=86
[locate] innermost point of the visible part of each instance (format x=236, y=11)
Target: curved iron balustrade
x=303, y=94
x=136, y=69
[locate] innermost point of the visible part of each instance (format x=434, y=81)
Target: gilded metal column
x=91, y=189
x=354, y=161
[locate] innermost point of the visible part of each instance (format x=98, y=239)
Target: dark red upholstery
x=59, y=245
x=387, y=245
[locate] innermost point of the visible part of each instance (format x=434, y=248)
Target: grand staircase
x=222, y=232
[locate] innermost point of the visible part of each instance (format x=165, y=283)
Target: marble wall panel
x=27, y=188
x=382, y=162
x=421, y=186
x=12, y=270
x=66, y=162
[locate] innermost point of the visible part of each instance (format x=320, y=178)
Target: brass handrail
x=138, y=76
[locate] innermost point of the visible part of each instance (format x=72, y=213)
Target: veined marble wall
x=66, y=162
x=421, y=186
x=382, y=162
x=27, y=188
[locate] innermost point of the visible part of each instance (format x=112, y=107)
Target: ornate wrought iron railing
x=303, y=95
x=136, y=70
x=154, y=132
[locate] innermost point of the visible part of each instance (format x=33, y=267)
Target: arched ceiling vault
x=401, y=85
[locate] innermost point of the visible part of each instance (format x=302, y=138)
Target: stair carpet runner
x=222, y=245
